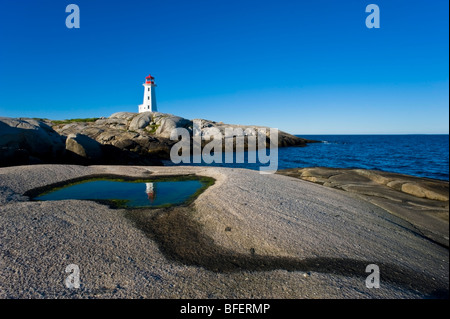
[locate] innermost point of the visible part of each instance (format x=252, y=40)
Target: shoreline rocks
x=124, y=138
x=422, y=202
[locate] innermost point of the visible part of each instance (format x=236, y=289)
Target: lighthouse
x=150, y=191
x=149, y=104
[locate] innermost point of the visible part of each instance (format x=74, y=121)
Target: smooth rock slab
x=248, y=235
x=422, y=202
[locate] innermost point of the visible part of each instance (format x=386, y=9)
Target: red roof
x=149, y=77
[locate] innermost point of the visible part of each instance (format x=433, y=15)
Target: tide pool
x=128, y=193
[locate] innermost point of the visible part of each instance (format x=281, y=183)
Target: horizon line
x=372, y=134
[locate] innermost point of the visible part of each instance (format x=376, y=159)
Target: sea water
x=417, y=155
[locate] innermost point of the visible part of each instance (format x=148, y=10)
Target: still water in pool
x=136, y=194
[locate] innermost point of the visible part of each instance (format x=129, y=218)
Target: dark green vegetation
x=67, y=121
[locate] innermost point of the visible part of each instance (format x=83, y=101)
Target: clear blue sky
x=306, y=67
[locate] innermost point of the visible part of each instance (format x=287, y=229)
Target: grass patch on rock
x=86, y=120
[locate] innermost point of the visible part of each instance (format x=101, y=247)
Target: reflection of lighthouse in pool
x=150, y=189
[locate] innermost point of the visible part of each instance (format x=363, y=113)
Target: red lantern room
x=150, y=80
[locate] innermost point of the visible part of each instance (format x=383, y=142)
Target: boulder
x=424, y=191
x=22, y=139
x=84, y=147
x=112, y=122
x=123, y=115
x=165, y=125
x=140, y=121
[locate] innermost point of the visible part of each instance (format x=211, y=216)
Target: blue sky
x=306, y=67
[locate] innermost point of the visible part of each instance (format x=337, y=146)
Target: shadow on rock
x=181, y=239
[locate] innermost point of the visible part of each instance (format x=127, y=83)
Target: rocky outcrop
x=422, y=202
x=123, y=138
x=28, y=141
x=148, y=133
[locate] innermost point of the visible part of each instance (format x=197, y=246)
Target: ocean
x=417, y=155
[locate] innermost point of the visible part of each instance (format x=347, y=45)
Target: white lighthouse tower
x=149, y=104
x=150, y=191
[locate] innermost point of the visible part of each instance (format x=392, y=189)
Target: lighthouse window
x=148, y=97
